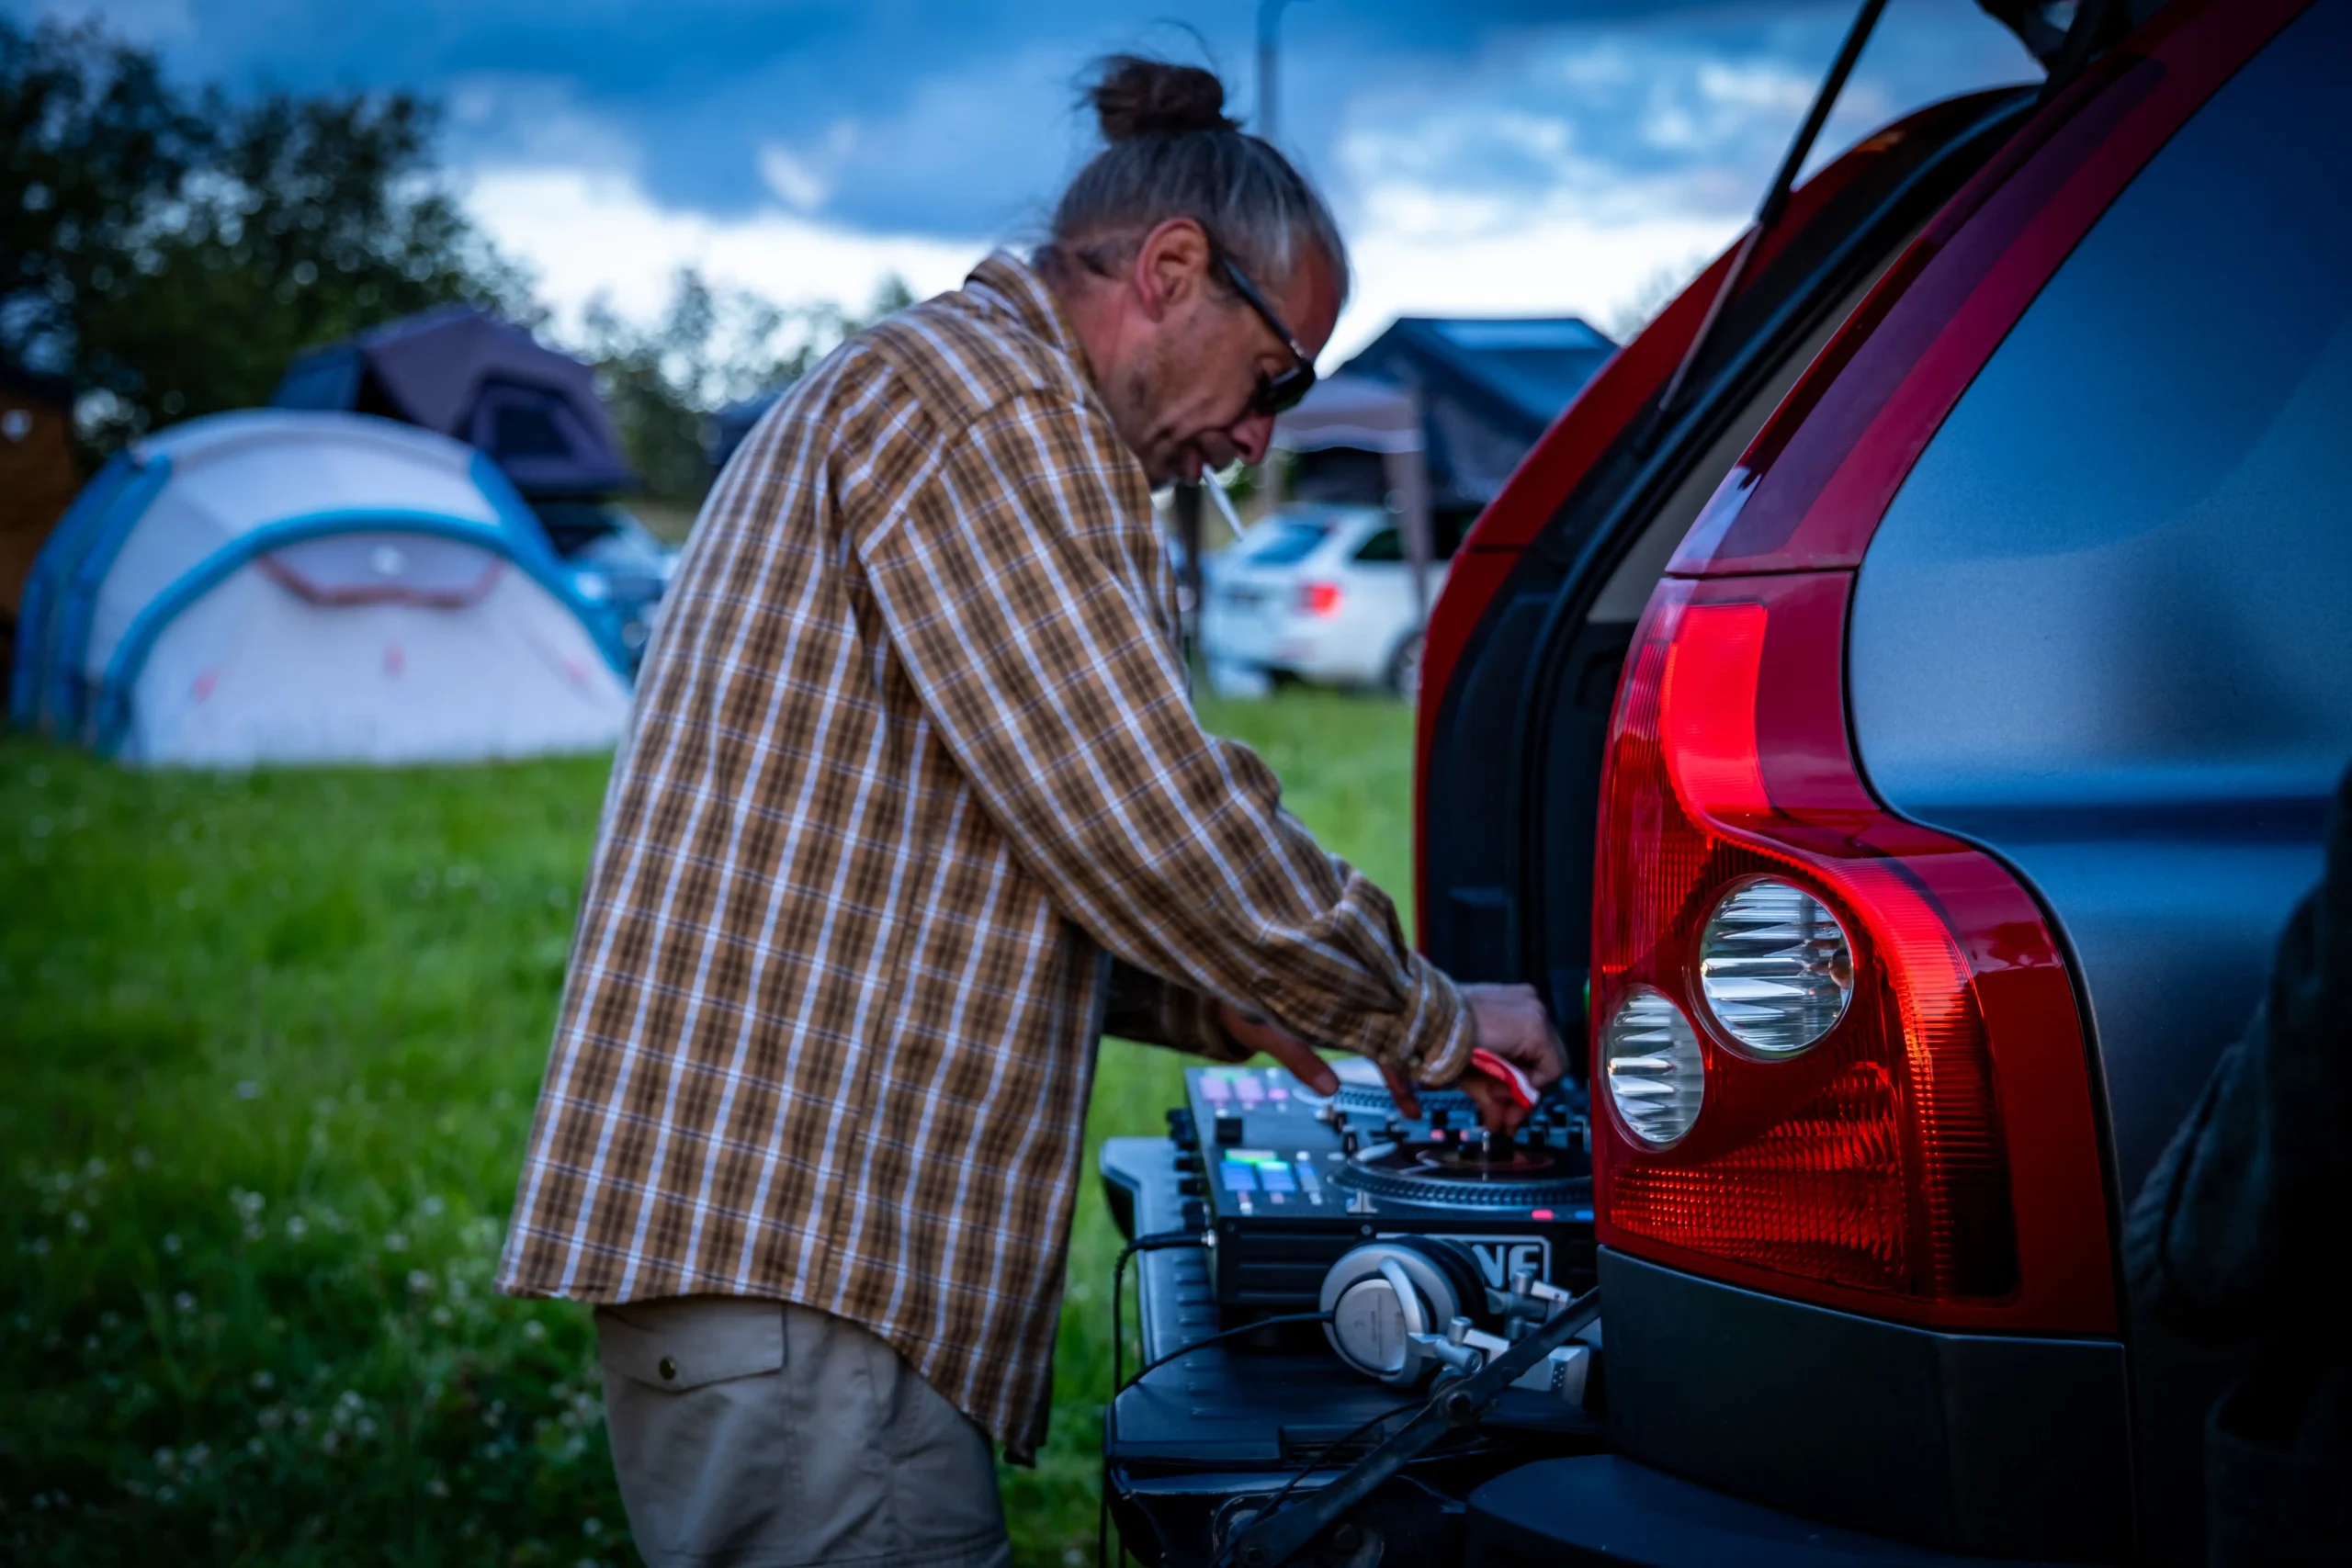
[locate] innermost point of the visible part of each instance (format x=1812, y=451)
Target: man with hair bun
x=913, y=808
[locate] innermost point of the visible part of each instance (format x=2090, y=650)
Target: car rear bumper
x=1604, y=1508
x=2007, y=1444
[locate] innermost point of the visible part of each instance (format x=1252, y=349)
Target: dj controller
x=1423, y=1244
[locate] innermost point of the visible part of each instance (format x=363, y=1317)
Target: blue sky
x=1486, y=156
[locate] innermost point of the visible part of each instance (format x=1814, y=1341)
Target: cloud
x=1486, y=156
x=588, y=235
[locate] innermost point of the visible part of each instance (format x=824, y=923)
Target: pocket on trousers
x=694, y=1408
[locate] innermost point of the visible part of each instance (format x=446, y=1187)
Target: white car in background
x=1319, y=593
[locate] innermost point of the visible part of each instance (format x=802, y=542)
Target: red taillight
x=1318, y=598
x=1876, y=1167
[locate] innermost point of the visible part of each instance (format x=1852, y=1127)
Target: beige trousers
x=772, y=1435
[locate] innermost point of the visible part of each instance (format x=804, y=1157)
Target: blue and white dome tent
x=279, y=586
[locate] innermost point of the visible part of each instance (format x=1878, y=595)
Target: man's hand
x=1509, y=1020
x=1265, y=1034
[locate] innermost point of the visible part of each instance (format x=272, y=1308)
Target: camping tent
x=486, y=382
x=270, y=586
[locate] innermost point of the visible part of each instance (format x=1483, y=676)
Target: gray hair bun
x=1137, y=98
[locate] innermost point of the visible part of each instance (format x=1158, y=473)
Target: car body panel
x=2100, y=631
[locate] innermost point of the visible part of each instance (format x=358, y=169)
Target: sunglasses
x=1281, y=391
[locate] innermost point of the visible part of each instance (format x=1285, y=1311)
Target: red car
x=1894, y=712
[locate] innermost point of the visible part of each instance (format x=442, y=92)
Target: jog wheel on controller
x=1470, y=1171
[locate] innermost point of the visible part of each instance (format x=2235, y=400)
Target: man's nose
x=1253, y=437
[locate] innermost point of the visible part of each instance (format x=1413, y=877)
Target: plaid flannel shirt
x=913, y=804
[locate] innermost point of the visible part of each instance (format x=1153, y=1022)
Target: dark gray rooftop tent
x=489, y=383
x=1486, y=390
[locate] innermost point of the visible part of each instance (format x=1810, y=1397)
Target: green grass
x=269, y=1047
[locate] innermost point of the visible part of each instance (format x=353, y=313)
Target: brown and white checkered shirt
x=913, y=765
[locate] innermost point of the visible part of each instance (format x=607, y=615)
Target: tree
x=171, y=256
x=711, y=347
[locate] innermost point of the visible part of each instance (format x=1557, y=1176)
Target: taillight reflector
x=1880, y=1166
x=1318, y=598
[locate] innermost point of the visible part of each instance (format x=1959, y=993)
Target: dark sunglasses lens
x=1279, y=394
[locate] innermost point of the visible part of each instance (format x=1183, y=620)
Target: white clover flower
x=535, y=1330
x=420, y=1282
x=185, y=1302
x=365, y=1427
x=248, y=1089
x=263, y=1381
x=297, y=1227
x=442, y=1317
x=141, y=1159
x=436, y=1487
x=395, y=1242
x=432, y=1204
x=78, y=1222
x=272, y=1419
x=171, y=1246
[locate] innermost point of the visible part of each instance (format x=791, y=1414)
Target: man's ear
x=1172, y=266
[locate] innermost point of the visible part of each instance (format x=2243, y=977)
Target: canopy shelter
x=1356, y=413
x=487, y=382
x=1487, y=389
x=303, y=587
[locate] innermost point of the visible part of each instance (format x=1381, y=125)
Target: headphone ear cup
x=1460, y=1271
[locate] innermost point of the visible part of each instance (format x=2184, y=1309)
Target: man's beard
x=1165, y=457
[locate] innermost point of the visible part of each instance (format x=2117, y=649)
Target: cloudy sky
x=1484, y=156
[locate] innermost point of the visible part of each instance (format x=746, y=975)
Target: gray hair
x=1173, y=152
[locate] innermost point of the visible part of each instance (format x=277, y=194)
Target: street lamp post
x=1270, y=22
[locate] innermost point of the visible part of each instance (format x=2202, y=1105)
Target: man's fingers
x=1498, y=1111
x=1401, y=1089
x=1264, y=1034
x=1510, y=1021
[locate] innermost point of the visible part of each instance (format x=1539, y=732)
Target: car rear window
x=2131, y=539
x=1386, y=545
x=1283, y=541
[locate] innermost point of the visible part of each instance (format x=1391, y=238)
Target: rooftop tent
x=303, y=587
x=1487, y=389
x=484, y=381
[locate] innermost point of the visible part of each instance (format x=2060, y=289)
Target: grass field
x=269, y=1046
